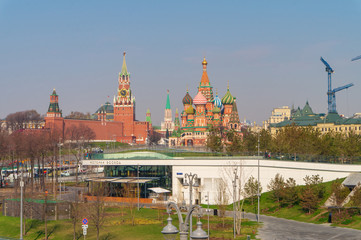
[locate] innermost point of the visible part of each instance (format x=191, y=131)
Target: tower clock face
x=123, y=92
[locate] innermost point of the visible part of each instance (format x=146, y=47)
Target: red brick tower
x=54, y=119
x=124, y=102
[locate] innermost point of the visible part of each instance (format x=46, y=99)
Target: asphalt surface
x=282, y=229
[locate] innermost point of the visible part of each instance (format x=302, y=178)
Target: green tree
x=265, y=141
x=250, y=140
x=352, y=146
x=309, y=200
x=234, y=142
x=277, y=186
x=312, y=193
x=214, y=140
x=355, y=199
x=251, y=189
x=290, y=193
x=339, y=193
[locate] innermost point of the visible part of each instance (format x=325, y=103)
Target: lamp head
x=199, y=233
x=170, y=231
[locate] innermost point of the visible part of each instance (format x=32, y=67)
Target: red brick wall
x=54, y=123
x=137, y=132
x=125, y=115
x=141, y=131
x=103, y=130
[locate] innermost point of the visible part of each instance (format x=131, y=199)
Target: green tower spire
x=148, y=118
x=167, y=106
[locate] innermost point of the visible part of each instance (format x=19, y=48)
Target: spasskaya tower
x=124, y=102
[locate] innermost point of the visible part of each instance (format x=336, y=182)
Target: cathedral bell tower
x=124, y=102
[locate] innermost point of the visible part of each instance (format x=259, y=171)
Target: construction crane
x=356, y=58
x=331, y=93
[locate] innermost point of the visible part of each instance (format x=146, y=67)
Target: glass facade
x=149, y=176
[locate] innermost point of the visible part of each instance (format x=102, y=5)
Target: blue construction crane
x=331, y=93
x=356, y=58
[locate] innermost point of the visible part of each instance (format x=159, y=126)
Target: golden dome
x=204, y=61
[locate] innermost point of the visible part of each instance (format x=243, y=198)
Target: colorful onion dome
x=218, y=102
x=204, y=61
x=199, y=99
x=187, y=99
x=190, y=110
x=228, y=98
x=216, y=110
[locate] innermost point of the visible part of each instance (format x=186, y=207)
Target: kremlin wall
x=117, y=122
x=122, y=126
x=191, y=127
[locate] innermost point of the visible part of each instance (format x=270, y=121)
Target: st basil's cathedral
x=203, y=112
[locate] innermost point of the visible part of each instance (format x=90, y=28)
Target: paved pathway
x=282, y=229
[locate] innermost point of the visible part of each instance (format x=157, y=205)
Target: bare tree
x=46, y=214
x=129, y=194
x=234, y=174
x=75, y=211
x=77, y=138
x=21, y=120
x=78, y=115
x=96, y=208
x=4, y=153
x=222, y=198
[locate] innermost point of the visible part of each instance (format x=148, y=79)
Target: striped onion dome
x=199, y=99
x=216, y=110
x=228, y=98
x=218, y=102
x=190, y=110
x=187, y=99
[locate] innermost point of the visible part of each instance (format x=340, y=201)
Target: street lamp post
x=258, y=193
x=170, y=231
x=234, y=182
x=207, y=198
x=60, y=165
x=138, y=184
x=191, y=180
x=21, y=202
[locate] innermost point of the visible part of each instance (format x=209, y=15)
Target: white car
x=65, y=174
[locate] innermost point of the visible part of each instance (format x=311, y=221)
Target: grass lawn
x=272, y=208
x=148, y=226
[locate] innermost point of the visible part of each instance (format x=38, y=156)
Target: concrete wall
x=214, y=172
x=211, y=170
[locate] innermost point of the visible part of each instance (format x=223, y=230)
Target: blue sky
x=269, y=52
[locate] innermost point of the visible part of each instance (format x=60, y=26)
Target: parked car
x=65, y=174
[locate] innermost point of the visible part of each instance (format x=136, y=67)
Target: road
x=282, y=229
